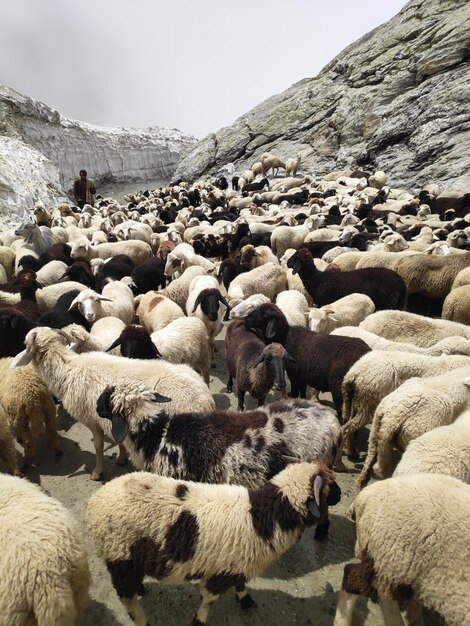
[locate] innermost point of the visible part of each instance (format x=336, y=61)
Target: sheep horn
x=115, y=344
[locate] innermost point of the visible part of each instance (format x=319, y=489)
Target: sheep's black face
x=294, y=264
x=210, y=306
x=277, y=369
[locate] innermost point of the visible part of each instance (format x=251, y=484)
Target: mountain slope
x=397, y=100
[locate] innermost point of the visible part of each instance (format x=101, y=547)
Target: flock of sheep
x=341, y=284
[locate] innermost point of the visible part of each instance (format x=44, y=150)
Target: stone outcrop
x=41, y=152
x=396, y=100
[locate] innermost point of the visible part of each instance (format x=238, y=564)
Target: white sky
x=195, y=65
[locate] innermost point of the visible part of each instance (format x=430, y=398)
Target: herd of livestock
x=339, y=284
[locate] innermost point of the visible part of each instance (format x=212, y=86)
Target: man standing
x=84, y=190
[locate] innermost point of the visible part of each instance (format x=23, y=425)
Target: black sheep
x=116, y=268
x=61, y=315
x=136, y=343
x=148, y=276
x=385, y=288
x=80, y=272
x=320, y=361
x=13, y=329
x=257, y=186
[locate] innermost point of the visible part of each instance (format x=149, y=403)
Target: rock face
x=396, y=100
x=41, y=151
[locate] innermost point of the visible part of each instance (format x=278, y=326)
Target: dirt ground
x=300, y=588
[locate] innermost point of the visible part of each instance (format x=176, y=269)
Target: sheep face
x=275, y=358
x=269, y=319
x=106, y=408
x=26, y=230
x=209, y=300
x=319, y=320
x=88, y=303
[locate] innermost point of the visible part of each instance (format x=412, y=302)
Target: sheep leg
x=241, y=400
x=229, y=387
x=261, y=401
x=212, y=350
x=243, y=597
x=29, y=446
x=123, y=455
x=98, y=441
x=208, y=598
x=8, y=454
x=321, y=530
x=51, y=430
x=344, y=610
x=349, y=444
x=391, y=612
x=135, y=610
x=384, y=463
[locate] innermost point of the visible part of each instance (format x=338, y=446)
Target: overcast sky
x=195, y=65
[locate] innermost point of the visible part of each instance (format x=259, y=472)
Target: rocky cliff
x=397, y=100
x=41, y=152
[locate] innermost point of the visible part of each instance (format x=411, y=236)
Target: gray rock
x=395, y=100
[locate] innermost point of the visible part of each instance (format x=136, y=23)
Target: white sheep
x=413, y=540
x=294, y=305
x=435, y=401
x=155, y=311
x=178, y=289
x=350, y=310
x=233, y=537
x=456, y=305
x=139, y=251
x=204, y=300
x=292, y=165
x=411, y=328
x=116, y=300
x=51, y=273
x=78, y=379
x=7, y=444
x=377, y=374
x=243, y=308
x=268, y=279
x=182, y=257
x=44, y=572
x=443, y=450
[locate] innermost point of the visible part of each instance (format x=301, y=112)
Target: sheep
x=407, y=327
x=412, y=539
x=204, y=301
x=29, y=407
x=145, y=524
x=61, y=314
x=264, y=440
x=242, y=309
x=44, y=572
x=13, y=329
x=268, y=279
x=435, y=401
x=252, y=257
x=350, y=310
x=443, y=450
x=455, y=307
x=74, y=379
x=284, y=237
x=385, y=287
x=258, y=168
x=182, y=257
x=449, y=345
x=7, y=444
x=115, y=268
x=245, y=353
x=116, y=300
x=7, y=260
x=81, y=272
x=148, y=275
x=102, y=334
x=139, y=251
x=51, y=273
x=178, y=289
x=37, y=239
x=155, y=311
x=28, y=286
x=294, y=305
x=292, y=165
x=270, y=161
x=379, y=373
x=256, y=186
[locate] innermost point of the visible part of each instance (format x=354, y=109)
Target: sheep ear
x=224, y=301
x=197, y=303
x=157, y=397
x=334, y=495
x=115, y=344
x=104, y=298
x=314, y=509
x=291, y=359
x=74, y=302
x=22, y=359
x=270, y=331
x=258, y=361
x=119, y=427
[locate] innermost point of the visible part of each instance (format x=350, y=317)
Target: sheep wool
x=44, y=573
